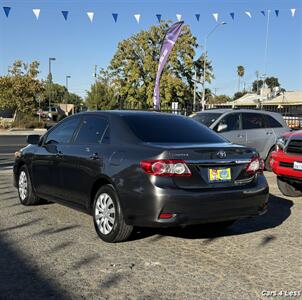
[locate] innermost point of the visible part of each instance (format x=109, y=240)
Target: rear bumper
x=285, y=171
x=196, y=207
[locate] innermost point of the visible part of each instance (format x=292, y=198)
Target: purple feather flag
x=171, y=37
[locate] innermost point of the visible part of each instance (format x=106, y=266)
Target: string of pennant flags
x=90, y=14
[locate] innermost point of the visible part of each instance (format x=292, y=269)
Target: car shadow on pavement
x=21, y=280
x=279, y=209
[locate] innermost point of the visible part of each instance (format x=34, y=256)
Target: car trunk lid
x=205, y=161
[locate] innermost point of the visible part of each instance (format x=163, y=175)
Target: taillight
x=165, y=167
x=255, y=166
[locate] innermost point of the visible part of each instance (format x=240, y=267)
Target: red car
x=286, y=162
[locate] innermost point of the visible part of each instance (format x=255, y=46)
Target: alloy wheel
x=23, y=185
x=105, y=213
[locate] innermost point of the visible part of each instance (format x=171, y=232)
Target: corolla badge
x=221, y=154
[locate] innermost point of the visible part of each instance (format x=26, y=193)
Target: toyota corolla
x=131, y=169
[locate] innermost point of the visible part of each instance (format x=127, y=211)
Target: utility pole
x=194, y=98
x=204, y=64
x=95, y=72
x=50, y=59
x=67, y=77
x=257, y=76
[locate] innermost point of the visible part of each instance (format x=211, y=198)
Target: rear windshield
x=206, y=118
x=170, y=129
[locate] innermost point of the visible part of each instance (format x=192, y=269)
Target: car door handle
x=269, y=132
x=94, y=156
x=240, y=135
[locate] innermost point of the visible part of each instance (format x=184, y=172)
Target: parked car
x=286, y=162
x=53, y=113
x=252, y=128
x=141, y=169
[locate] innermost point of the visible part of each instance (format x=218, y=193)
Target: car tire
x=288, y=189
x=267, y=164
x=108, y=216
x=27, y=195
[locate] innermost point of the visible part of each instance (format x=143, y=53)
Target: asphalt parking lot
x=53, y=252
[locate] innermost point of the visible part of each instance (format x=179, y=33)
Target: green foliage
x=20, y=89
x=72, y=98
x=101, y=94
x=219, y=99
x=53, y=92
x=272, y=82
x=257, y=85
x=239, y=95
x=27, y=121
x=134, y=66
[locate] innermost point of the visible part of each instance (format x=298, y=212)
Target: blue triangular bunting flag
x=197, y=17
x=158, y=16
x=277, y=12
x=65, y=14
x=263, y=12
x=115, y=15
x=6, y=10
x=232, y=15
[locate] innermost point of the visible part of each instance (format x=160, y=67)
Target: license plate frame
x=216, y=175
x=297, y=165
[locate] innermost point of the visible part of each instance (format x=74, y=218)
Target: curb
x=22, y=132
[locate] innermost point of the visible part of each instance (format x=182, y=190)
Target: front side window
x=206, y=118
x=228, y=123
x=252, y=121
x=63, y=133
x=92, y=130
x=271, y=122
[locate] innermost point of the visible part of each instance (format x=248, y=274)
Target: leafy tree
x=219, y=99
x=54, y=92
x=240, y=74
x=72, y=98
x=257, y=85
x=272, y=82
x=239, y=95
x=20, y=88
x=134, y=66
x=101, y=94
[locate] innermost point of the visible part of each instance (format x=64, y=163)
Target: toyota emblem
x=221, y=154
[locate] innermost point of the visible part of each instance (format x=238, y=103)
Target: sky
x=78, y=45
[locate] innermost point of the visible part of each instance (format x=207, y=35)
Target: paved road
x=11, y=143
x=52, y=252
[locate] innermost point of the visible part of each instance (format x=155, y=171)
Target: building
x=289, y=104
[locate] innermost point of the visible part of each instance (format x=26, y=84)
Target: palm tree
x=240, y=73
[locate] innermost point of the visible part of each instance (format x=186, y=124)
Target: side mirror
x=33, y=139
x=222, y=127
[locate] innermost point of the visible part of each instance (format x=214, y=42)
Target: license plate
x=220, y=175
x=298, y=165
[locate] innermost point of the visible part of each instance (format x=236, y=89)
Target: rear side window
x=92, y=130
x=252, y=121
x=271, y=122
x=160, y=128
x=63, y=133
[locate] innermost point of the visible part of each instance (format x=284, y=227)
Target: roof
x=225, y=110
x=251, y=99
x=288, y=98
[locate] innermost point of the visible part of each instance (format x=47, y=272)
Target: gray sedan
x=253, y=128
